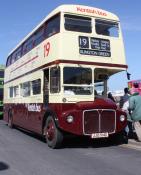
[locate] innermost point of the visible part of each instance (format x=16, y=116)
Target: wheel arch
x=48, y=113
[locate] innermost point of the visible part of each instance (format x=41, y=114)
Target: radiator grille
x=99, y=121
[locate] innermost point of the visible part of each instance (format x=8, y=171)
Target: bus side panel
x=26, y=116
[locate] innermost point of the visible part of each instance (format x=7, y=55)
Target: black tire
x=120, y=138
x=10, y=120
x=54, y=137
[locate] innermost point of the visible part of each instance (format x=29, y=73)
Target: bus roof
x=74, y=9
x=85, y=10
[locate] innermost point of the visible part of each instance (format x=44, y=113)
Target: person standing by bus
x=124, y=105
x=111, y=96
x=135, y=107
x=125, y=97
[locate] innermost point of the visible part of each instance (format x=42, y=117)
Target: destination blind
x=94, y=46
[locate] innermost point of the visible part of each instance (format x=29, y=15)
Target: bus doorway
x=46, y=87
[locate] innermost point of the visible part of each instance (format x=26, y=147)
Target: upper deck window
x=52, y=26
x=106, y=28
x=39, y=36
x=78, y=23
x=28, y=45
x=49, y=28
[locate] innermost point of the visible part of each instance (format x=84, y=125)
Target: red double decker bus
x=52, y=75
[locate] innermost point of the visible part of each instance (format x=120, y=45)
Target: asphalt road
x=25, y=154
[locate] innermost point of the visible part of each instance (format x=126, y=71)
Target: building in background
x=135, y=86
x=2, y=67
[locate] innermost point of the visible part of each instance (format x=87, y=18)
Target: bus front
x=91, y=50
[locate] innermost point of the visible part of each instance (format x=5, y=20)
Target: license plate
x=99, y=135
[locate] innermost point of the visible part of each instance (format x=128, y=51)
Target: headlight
x=64, y=100
x=122, y=118
x=70, y=118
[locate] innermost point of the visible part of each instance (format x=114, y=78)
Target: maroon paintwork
x=34, y=121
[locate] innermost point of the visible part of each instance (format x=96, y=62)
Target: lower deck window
x=55, y=80
x=36, y=86
x=16, y=91
x=25, y=89
x=11, y=92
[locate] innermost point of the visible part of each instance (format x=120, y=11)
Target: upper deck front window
x=106, y=28
x=78, y=23
x=52, y=26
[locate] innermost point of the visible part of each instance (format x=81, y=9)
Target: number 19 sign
x=46, y=49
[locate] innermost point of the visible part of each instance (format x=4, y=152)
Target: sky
x=19, y=17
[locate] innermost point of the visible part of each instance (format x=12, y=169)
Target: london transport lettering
x=92, y=11
x=33, y=107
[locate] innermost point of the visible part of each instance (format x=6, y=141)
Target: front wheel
x=122, y=137
x=54, y=137
x=119, y=138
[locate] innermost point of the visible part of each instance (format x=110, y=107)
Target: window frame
x=32, y=88
x=77, y=77
x=105, y=31
x=27, y=42
x=23, y=87
x=76, y=18
x=55, y=81
x=50, y=31
x=15, y=90
x=11, y=92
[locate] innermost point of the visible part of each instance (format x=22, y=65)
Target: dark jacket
x=123, y=99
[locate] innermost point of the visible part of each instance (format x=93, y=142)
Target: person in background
x=124, y=105
x=135, y=108
x=129, y=127
x=125, y=97
x=111, y=96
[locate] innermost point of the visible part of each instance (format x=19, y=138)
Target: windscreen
x=78, y=23
x=77, y=81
